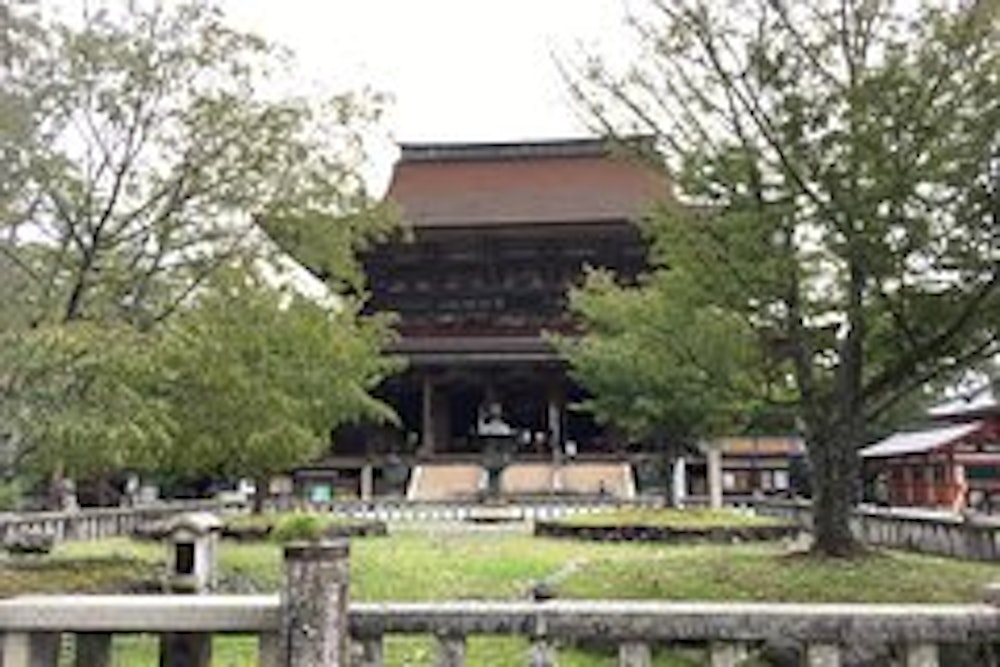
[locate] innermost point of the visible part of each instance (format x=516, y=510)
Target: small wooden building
x=954, y=464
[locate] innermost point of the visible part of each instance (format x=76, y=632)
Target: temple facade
x=498, y=235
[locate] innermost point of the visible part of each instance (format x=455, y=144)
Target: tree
x=659, y=365
x=153, y=151
x=146, y=147
x=256, y=378
x=666, y=370
x=836, y=167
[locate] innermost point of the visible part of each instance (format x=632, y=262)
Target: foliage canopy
x=836, y=164
x=147, y=149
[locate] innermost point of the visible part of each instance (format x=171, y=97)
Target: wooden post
x=713, y=455
x=427, y=417
x=314, y=605
x=367, y=482
x=554, y=417
x=680, y=482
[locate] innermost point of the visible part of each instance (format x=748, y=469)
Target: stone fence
x=311, y=624
x=540, y=509
x=96, y=523
x=968, y=536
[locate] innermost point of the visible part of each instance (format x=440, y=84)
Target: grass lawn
x=420, y=566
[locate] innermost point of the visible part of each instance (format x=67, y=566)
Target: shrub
x=299, y=527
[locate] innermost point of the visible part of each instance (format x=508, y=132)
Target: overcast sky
x=457, y=70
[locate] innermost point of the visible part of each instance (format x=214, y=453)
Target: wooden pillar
x=554, y=418
x=679, y=486
x=442, y=418
x=427, y=416
x=367, y=489
x=713, y=457
x=314, y=605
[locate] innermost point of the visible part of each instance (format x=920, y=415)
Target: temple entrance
x=465, y=400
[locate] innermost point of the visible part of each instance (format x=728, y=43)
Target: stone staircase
x=529, y=479
x=445, y=481
x=465, y=481
x=616, y=480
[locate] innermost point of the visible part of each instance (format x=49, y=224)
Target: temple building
x=496, y=236
x=499, y=234
x=952, y=464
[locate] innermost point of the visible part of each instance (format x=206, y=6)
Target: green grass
x=97, y=574
x=420, y=566
x=671, y=518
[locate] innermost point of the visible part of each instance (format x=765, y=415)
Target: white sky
x=457, y=70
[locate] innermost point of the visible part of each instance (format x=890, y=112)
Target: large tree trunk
x=835, y=482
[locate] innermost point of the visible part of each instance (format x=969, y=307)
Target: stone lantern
x=192, y=545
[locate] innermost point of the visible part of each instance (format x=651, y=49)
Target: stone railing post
x=314, y=620
x=920, y=655
x=21, y=649
x=727, y=654
x=450, y=651
x=823, y=655
x=634, y=654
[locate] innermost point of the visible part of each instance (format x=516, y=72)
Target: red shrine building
x=497, y=235
x=954, y=464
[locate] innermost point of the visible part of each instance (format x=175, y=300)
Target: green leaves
x=660, y=363
x=146, y=159
x=836, y=170
x=839, y=210
x=259, y=377
x=76, y=397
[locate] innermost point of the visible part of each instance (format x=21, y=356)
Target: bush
x=11, y=492
x=299, y=527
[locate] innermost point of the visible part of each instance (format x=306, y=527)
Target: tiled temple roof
x=572, y=181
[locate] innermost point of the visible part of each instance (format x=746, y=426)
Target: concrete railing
x=968, y=536
x=310, y=624
x=96, y=523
